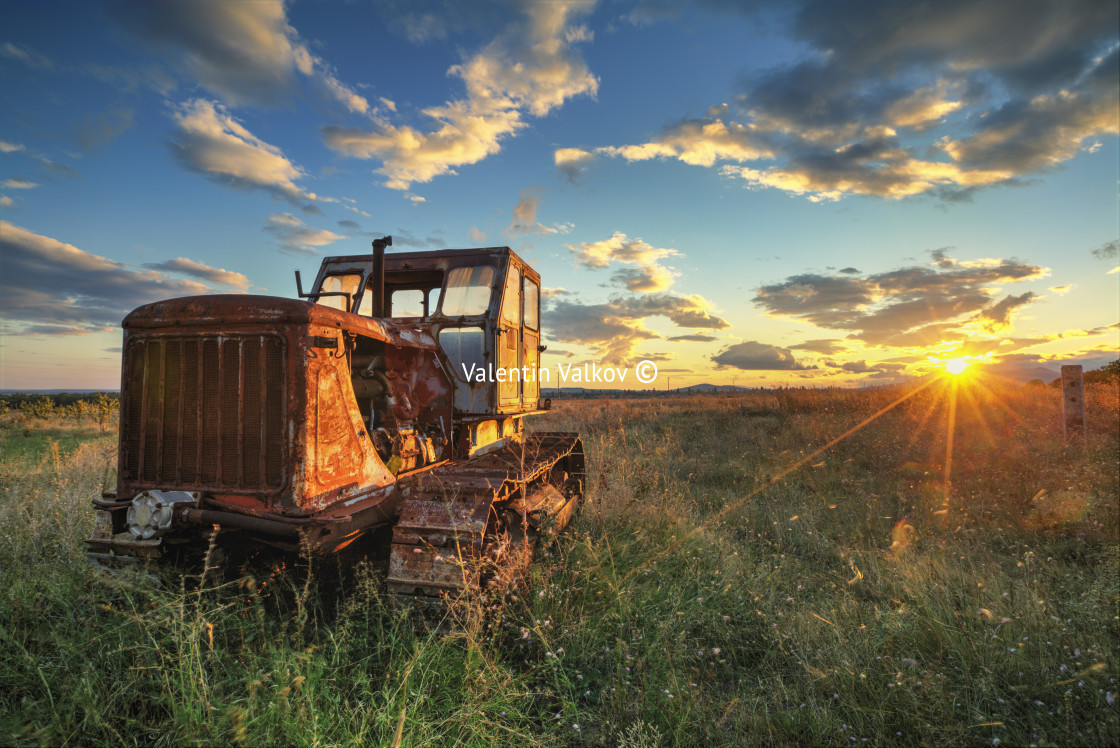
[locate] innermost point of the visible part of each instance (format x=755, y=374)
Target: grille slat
x=211, y=412
x=172, y=396
x=153, y=396
x=205, y=412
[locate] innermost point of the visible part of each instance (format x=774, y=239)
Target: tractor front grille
x=205, y=413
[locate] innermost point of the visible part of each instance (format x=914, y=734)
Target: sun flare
x=956, y=365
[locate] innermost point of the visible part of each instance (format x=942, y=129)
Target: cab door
x=530, y=343
x=509, y=342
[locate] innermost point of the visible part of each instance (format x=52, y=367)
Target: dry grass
x=708, y=595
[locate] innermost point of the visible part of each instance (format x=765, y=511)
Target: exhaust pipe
x=377, y=276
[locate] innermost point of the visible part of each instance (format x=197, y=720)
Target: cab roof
x=439, y=259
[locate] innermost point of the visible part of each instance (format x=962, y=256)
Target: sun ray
x=932, y=438
x=774, y=480
x=991, y=393
x=971, y=395
x=951, y=429
x=915, y=434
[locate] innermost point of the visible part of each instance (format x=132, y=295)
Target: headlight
x=152, y=511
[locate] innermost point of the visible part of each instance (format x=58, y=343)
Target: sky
x=802, y=193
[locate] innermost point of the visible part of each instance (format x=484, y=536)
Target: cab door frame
x=530, y=342
x=509, y=328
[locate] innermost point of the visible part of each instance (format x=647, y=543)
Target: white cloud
x=891, y=174
x=295, y=236
x=977, y=94
x=531, y=68
x=1106, y=250
x=572, y=162
x=619, y=248
x=1038, y=135
x=217, y=276
x=213, y=143
x=525, y=217
x=50, y=287
x=700, y=142
x=552, y=293
x=910, y=307
x=19, y=184
x=346, y=95
x=244, y=52
x=6, y=202
x=6, y=147
x=26, y=55
x=644, y=279
x=645, y=275
x=751, y=355
x=922, y=108
x=616, y=328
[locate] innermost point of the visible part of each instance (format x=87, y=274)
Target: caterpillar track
x=475, y=525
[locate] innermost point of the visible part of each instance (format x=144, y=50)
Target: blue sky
x=802, y=193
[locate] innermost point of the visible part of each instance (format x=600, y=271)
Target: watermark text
x=644, y=373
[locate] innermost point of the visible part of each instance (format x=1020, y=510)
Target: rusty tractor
x=391, y=395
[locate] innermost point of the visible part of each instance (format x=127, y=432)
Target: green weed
x=730, y=581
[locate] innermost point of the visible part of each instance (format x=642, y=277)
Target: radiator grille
x=205, y=413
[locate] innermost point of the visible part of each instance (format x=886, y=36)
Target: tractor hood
x=235, y=310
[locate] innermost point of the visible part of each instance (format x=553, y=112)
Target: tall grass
x=707, y=595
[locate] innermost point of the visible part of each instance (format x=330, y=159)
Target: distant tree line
x=1110, y=372
x=101, y=407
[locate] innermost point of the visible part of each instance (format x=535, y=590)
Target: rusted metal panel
x=437, y=516
x=436, y=544
x=219, y=420
x=337, y=451
x=547, y=499
x=428, y=571
x=182, y=389
x=451, y=534
x=227, y=312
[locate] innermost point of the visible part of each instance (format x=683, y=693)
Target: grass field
x=740, y=575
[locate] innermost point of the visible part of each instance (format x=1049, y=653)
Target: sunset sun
x=956, y=365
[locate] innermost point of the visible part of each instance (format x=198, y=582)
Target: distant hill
x=1051, y=370
x=697, y=388
x=1025, y=373
x=592, y=392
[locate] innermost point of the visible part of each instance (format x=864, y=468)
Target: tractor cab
x=481, y=305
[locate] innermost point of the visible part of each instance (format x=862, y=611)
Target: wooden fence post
x=1073, y=403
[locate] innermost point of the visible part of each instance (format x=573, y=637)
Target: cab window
x=347, y=283
x=468, y=291
x=531, y=305
x=407, y=302
x=411, y=292
x=511, y=299
x=465, y=349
